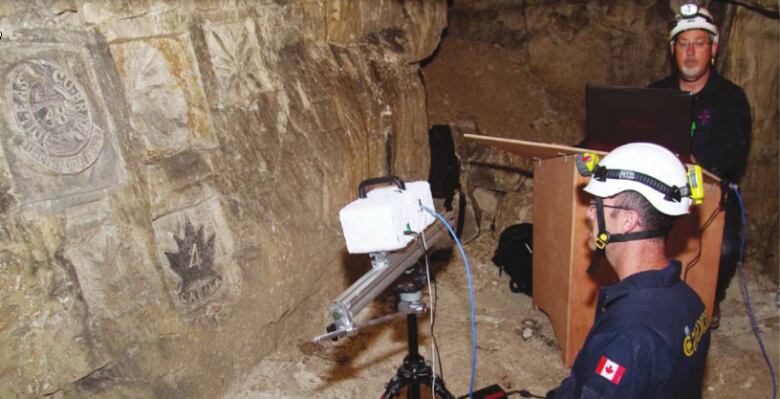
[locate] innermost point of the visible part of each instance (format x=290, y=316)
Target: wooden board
x=562, y=287
x=528, y=149
x=542, y=151
x=683, y=244
x=584, y=287
x=553, y=201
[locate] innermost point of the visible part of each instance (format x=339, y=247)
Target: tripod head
x=409, y=295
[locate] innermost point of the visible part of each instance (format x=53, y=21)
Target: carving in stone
x=54, y=118
x=236, y=61
x=194, y=263
x=203, y=270
x=157, y=100
x=100, y=268
x=114, y=277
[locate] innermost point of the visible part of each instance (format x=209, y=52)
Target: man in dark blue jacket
x=651, y=333
x=720, y=136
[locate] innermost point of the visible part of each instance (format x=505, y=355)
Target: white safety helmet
x=649, y=169
x=692, y=17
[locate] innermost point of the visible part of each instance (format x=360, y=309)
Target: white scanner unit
x=386, y=218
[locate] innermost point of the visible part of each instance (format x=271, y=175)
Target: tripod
x=414, y=370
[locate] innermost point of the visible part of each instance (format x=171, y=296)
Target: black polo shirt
x=720, y=138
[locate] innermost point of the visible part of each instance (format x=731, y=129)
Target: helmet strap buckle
x=602, y=240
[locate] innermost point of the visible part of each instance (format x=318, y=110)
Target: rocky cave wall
x=522, y=68
x=171, y=175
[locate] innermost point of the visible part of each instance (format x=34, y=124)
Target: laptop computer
x=616, y=115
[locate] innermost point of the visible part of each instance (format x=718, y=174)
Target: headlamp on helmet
x=689, y=10
x=652, y=171
x=693, y=17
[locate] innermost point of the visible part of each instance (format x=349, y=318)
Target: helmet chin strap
x=603, y=237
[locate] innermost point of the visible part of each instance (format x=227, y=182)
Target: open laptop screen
x=617, y=115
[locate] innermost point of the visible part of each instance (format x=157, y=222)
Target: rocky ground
x=516, y=344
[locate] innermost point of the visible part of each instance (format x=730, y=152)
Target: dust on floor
x=516, y=347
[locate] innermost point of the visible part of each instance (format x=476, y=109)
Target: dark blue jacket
x=650, y=337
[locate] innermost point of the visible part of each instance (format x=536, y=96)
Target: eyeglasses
x=697, y=44
x=592, y=205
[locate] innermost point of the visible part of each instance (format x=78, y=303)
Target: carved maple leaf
x=194, y=262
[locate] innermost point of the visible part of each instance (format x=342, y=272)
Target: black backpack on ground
x=514, y=255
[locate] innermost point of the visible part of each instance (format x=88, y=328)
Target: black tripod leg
x=441, y=390
x=393, y=388
x=438, y=388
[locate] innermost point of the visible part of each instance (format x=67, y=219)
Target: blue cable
x=746, y=294
x=471, y=296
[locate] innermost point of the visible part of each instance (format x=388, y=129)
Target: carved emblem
x=234, y=55
x=157, y=99
x=194, y=263
x=57, y=128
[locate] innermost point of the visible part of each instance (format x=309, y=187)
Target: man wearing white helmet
x=720, y=133
x=650, y=336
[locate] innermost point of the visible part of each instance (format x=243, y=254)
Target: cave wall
x=171, y=174
x=522, y=68
x=751, y=60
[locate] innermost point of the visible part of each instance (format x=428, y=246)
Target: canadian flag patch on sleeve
x=610, y=370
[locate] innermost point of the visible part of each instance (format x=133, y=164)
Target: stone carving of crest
x=158, y=102
x=236, y=60
x=197, y=244
x=195, y=264
x=54, y=118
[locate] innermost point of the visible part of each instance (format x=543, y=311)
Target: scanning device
x=384, y=223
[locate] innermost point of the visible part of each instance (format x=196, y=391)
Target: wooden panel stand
x=562, y=287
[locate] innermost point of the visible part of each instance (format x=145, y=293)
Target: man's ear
x=671, y=47
x=631, y=221
x=714, y=49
